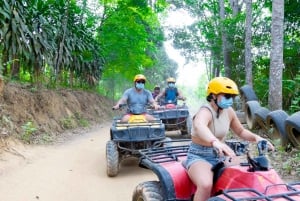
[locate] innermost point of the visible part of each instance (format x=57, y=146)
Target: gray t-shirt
x=137, y=101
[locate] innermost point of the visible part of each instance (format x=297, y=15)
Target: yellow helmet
x=171, y=79
x=139, y=77
x=222, y=85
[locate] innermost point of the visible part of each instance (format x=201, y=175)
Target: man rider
x=137, y=98
x=171, y=94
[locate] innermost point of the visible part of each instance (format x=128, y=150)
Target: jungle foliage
x=205, y=36
x=101, y=45
x=78, y=44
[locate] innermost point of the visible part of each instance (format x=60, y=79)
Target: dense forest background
x=100, y=45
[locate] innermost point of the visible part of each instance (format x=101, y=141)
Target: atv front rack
x=121, y=125
x=167, y=152
x=286, y=192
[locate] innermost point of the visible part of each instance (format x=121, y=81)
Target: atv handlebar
x=121, y=106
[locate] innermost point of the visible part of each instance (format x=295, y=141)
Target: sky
x=188, y=74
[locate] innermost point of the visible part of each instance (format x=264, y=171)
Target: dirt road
x=72, y=171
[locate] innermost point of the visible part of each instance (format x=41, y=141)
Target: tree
x=276, y=65
x=248, y=35
x=225, y=48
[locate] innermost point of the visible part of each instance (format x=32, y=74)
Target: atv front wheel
x=112, y=159
x=148, y=191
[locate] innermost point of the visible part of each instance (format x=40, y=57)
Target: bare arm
x=200, y=125
x=243, y=133
x=180, y=96
x=121, y=101
x=160, y=95
x=153, y=103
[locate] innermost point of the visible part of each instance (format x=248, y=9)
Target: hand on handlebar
x=155, y=106
x=265, y=144
x=223, y=149
x=116, y=107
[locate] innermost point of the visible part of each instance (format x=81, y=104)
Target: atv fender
x=174, y=180
x=240, y=177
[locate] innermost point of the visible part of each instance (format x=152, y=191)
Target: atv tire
x=292, y=127
x=187, y=129
x=250, y=109
x=276, y=124
x=261, y=117
x=148, y=191
x=112, y=159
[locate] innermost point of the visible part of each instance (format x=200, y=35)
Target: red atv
x=252, y=179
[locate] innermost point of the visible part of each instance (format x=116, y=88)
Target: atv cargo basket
x=280, y=192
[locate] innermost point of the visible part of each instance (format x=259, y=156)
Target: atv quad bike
x=126, y=139
x=175, y=117
x=252, y=179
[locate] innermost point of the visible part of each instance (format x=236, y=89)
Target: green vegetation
x=74, y=121
x=101, y=46
x=28, y=131
x=206, y=35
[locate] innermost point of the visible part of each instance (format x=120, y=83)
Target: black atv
x=175, y=117
x=127, y=138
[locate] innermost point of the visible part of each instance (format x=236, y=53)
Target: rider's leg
x=149, y=117
x=125, y=118
x=201, y=175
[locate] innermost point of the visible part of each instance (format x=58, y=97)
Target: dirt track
x=72, y=171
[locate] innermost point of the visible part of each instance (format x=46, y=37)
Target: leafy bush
x=28, y=131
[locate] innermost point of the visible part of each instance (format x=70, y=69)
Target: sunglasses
x=228, y=96
x=140, y=81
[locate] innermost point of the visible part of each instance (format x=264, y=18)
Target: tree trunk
x=226, y=53
x=276, y=65
x=248, y=39
x=236, y=8
x=15, y=68
x=59, y=54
